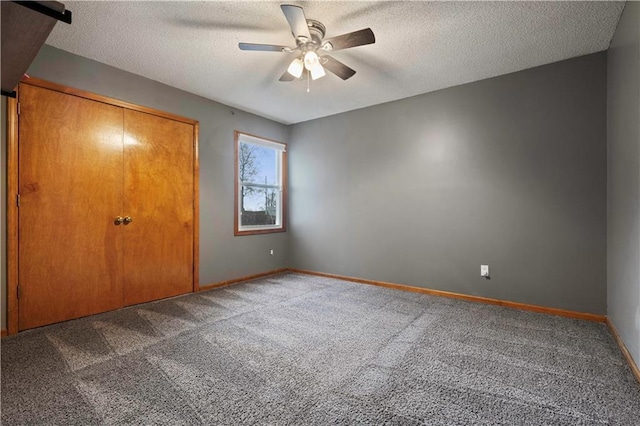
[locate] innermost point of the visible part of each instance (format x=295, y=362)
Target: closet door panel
x=71, y=190
x=158, y=174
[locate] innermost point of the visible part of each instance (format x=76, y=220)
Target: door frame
x=12, y=184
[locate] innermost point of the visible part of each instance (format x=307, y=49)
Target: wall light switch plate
x=484, y=270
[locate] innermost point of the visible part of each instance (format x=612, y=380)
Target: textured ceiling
x=420, y=46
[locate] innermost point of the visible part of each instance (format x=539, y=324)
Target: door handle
x=118, y=220
x=128, y=220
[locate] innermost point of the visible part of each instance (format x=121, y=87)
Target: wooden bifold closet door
x=158, y=179
x=106, y=207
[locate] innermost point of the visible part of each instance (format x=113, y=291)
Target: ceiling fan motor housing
x=317, y=31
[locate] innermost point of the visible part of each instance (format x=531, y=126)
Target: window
x=260, y=185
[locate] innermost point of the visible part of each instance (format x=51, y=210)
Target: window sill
x=239, y=233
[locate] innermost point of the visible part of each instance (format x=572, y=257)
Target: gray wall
x=623, y=244
x=222, y=256
x=509, y=171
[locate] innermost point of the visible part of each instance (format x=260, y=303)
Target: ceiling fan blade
x=297, y=21
x=262, y=47
x=345, y=41
x=337, y=67
x=287, y=77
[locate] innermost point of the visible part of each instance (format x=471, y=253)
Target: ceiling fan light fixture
x=317, y=72
x=295, y=68
x=311, y=60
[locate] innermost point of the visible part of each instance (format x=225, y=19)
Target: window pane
x=259, y=206
x=257, y=164
x=260, y=175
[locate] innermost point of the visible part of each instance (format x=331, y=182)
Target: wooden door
x=159, y=194
x=70, y=184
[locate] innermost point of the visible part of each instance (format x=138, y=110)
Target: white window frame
x=280, y=186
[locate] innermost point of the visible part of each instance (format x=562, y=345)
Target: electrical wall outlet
x=271, y=252
x=484, y=271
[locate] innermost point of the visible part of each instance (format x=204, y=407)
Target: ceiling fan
x=313, y=47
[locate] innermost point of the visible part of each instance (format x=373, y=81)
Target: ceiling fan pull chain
x=308, y=80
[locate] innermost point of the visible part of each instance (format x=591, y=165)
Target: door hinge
x=18, y=108
x=18, y=292
x=18, y=200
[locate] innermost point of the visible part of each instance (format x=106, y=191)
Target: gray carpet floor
x=295, y=349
